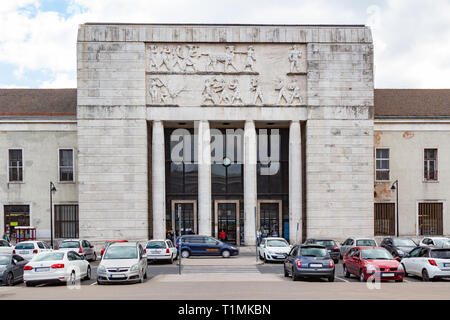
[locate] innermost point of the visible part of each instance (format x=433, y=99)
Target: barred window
x=66, y=221
x=15, y=165
x=384, y=221
x=430, y=165
x=430, y=218
x=65, y=165
x=382, y=165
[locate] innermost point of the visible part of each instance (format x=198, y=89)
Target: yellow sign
x=13, y=224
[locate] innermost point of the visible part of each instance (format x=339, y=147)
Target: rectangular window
x=15, y=165
x=382, y=165
x=430, y=165
x=431, y=218
x=65, y=165
x=66, y=221
x=384, y=219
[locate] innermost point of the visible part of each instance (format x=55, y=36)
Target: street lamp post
x=52, y=189
x=395, y=187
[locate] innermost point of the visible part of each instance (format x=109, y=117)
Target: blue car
x=309, y=261
x=195, y=245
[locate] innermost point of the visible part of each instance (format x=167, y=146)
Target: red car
x=108, y=243
x=365, y=262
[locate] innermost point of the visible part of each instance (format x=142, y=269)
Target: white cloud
x=411, y=36
x=61, y=80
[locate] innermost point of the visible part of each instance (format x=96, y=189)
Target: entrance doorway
x=188, y=216
x=270, y=217
x=226, y=217
x=15, y=215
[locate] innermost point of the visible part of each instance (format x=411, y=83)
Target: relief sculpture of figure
x=225, y=59
x=165, y=54
x=191, y=55
x=283, y=92
x=293, y=86
x=207, y=93
x=236, y=97
x=250, y=60
x=156, y=95
x=294, y=56
x=179, y=59
x=254, y=87
x=152, y=57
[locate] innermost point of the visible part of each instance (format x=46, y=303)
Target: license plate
x=23, y=252
x=315, y=265
x=155, y=251
x=387, y=274
x=117, y=276
x=446, y=265
x=41, y=269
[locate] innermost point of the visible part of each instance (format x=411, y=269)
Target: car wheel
x=29, y=284
x=145, y=274
x=331, y=278
x=185, y=254
x=226, y=254
x=286, y=273
x=10, y=279
x=265, y=259
x=425, y=276
x=361, y=276
x=88, y=273
x=171, y=259
x=99, y=282
x=401, y=280
x=294, y=277
x=336, y=261
x=346, y=273
x=95, y=257
x=404, y=270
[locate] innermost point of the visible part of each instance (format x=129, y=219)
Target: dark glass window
x=430, y=165
x=15, y=165
x=65, y=165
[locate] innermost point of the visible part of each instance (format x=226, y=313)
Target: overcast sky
x=411, y=37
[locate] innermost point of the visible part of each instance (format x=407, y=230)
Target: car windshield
x=376, y=254
x=366, y=243
x=313, y=252
x=326, y=243
x=69, y=244
x=25, y=246
x=442, y=242
x=404, y=243
x=277, y=243
x=49, y=256
x=121, y=252
x=4, y=244
x=440, y=254
x=4, y=260
x=156, y=245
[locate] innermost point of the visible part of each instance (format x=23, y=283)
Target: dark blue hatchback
x=195, y=245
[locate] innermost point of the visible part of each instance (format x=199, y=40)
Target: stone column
x=295, y=183
x=158, y=181
x=204, y=177
x=250, y=186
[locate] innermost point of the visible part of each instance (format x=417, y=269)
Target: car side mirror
x=91, y=246
x=397, y=258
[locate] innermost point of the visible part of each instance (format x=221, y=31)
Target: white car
x=28, y=249
x=56, y=266
x=122, y=262
x=273, y=249
x=161, y=250
x=5, y=247
x=356, y=242
x=428, y=263
x=435, y=241
x=83, y=247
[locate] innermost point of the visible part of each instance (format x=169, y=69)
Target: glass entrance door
x=188, y=216
x=227, y=221
x=269, y=212
x=15, y=216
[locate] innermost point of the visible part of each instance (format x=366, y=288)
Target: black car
x=331, y=246
x=398, y=247
x=195, y=245
x=11, y=269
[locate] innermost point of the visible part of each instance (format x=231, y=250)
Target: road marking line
x=345, y=280
x=93, y=284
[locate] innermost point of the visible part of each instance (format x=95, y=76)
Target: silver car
x=356, y=242
x=11, y=269
x=82, y=247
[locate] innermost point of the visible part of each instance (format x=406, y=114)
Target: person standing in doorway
x=222, y=235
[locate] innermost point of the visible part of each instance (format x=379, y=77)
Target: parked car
x=108, y=243
x=11, y=269
x=435, y=242
x=195, y=245
x=376, y=262
x=430, y=263
x=5, y=247
x=122, y=262
x=55, y=267
x=83, y=247
x=309, y=261
x=273, y=249
x=161, y=250
x=356, y=242
x=28, y=249
x=398, y=247
x=331, y=246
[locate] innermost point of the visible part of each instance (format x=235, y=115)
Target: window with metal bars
x=15, y=165
x=382, y=165
x=430, y=165
x=384, y=220
x=430, y=218
x=65, y=165
x=66, y=221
